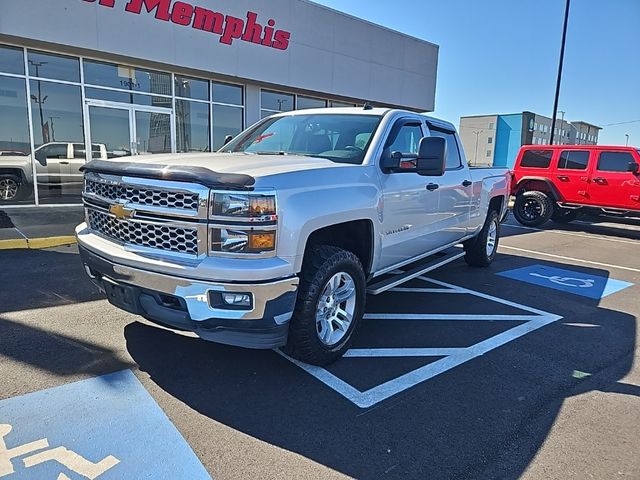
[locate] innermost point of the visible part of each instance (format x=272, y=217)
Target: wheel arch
x=540, y=184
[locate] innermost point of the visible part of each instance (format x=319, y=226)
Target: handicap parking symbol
x=578, y=283
x=103, y=428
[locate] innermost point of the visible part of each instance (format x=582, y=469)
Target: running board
x=431, y=264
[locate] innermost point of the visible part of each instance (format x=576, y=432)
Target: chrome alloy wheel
x=336, y=308
x=492, y=238
x=8, y=189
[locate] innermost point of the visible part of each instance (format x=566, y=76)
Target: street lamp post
x=475, y=157
x=39, y=100
x=561, y=63
x=627, y=137
x=53, y=131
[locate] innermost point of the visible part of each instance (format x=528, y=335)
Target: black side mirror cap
x=227, y=139
x=633, y=167
x=432, y=157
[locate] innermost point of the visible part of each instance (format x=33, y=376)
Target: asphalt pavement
x=528, y=369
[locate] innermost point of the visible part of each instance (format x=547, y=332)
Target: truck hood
x=215, y=170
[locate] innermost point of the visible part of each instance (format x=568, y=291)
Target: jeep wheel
x=564, y=215
x=533, y=208
x=330, y=305
x=482, y=250
x=10, y=188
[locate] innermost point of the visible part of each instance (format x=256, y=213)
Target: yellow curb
x=39, y=243
x=11, y=244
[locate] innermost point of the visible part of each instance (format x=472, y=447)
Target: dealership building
x=83, y=79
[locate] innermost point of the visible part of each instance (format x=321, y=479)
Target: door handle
x=563, y=178
x=432, y=187
x=600, y=180
x=64, y=163
x=467, y=183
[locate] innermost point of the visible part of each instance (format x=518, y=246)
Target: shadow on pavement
x=484, y=419
x=31, y=279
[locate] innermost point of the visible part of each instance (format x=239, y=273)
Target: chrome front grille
x=168, y=238
x=143, y=195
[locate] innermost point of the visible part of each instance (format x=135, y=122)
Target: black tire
x=564, y=215
x=320, y=265
x=12, y=189
x=477, y=251
x=533, y=208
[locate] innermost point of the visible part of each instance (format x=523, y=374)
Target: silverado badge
x=121, y=212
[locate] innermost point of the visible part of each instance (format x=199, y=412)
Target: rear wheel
x=330, y=305
x=564, y=215
x=533, y=208
x=482, y=250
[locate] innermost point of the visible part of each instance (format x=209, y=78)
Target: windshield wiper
x=271, y=153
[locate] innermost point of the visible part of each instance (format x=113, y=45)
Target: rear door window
x=536, y=158
x=454, y=160
x=614, y=161
x=573, y=160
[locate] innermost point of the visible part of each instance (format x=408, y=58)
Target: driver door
x=410, y=210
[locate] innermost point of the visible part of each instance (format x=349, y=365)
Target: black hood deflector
x=199, y=175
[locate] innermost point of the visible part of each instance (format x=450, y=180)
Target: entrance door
x=118, y=130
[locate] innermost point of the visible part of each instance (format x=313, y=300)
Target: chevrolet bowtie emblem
x=121, y=212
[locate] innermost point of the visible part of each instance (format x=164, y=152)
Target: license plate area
x=121, y=296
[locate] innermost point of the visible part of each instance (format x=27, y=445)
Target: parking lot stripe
x=424, y=290
x=437, y=316
x=570, y=259
x=401, y=352
x=572, y=234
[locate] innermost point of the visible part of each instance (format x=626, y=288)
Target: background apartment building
x=496, y=139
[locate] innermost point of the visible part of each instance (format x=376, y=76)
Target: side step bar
x=431, y=264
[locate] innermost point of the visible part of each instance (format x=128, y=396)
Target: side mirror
x=41, y=157
x=227, y=139
x=432, y=157
x=633, y=167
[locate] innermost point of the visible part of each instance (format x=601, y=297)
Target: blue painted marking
x=579, y=283
x=103, y=419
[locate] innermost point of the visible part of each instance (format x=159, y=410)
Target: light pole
x=560, y=65
x=40, y=101
x=53, y=131
x=627, y=142
x=475, y=157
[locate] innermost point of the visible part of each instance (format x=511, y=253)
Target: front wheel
x=482, y=250
x=11, y=188
x=330, y=305
x=533, y=208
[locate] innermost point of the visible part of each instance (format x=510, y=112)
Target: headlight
x=253, y=207
x=228, y=240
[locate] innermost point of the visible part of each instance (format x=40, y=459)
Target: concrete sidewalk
x=36, y=228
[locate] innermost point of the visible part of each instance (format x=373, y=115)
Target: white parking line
x=424, y=290
x=572, y=234
x=449, y=318
x=570, y=259
x=401, y=352
x=453, y=357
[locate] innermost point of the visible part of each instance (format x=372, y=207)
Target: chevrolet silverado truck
x=276, y=240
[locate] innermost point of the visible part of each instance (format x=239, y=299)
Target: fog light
x=237, y=299
x=262, y=241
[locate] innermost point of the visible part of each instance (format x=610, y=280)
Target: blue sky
x=501, y=56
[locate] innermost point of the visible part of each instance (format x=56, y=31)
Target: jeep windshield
x=341, y=138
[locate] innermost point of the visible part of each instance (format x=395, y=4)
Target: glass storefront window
x=229, y=94
x=192, y=126
x=124, y=97
x=187, y=87
x=336, y=103
x=153, y=132
x=57, y=125
x=126, y=78
x=274, y=102
x=55, y=67
x=11, y=60
x=226, y=121
x=15, y=148
x=304, y=103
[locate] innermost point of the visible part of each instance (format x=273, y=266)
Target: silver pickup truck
x=276, y=240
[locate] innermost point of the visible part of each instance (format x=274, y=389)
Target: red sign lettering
x=227, y=27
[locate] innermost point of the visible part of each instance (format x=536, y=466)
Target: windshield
x=337, y=137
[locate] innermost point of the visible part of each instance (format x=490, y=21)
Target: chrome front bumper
x=265, y=325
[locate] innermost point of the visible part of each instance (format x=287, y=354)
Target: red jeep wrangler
x=561, y=181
